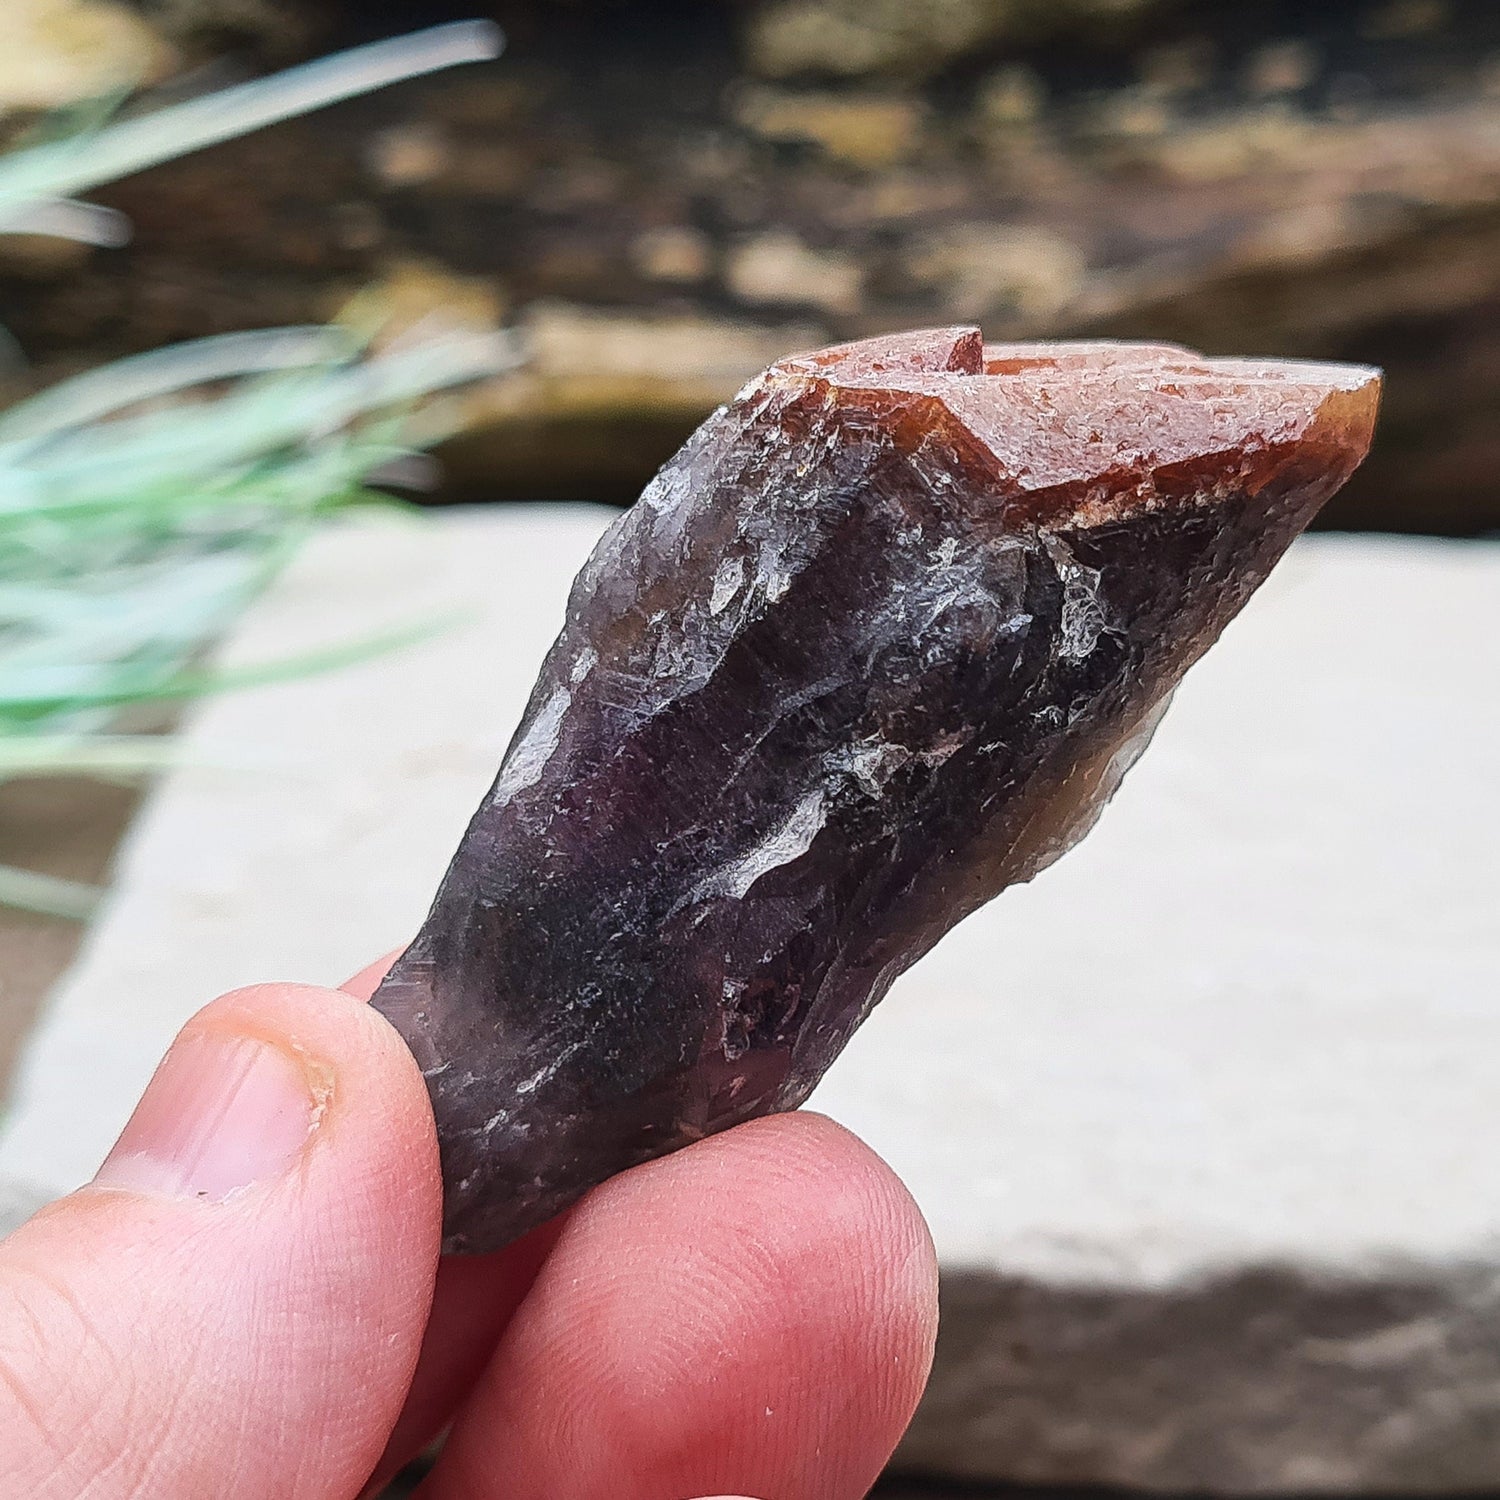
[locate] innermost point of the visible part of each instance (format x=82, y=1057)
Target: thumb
x=235, y=1304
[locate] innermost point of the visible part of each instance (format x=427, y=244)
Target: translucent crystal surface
x=878, y=642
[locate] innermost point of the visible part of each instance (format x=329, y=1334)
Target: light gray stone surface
x=17, y=1204
x=1204, y=1120
x=311, y=832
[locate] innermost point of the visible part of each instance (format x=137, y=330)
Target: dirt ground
x=68, y=828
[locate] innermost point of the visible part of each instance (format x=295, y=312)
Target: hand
x=248, y=1301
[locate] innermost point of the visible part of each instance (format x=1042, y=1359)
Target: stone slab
x=320, y=813
x=1203, y=1119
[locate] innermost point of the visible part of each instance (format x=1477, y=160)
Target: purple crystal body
x=878, y=642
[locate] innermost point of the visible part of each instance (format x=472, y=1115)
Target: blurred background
x=633, y=210
x=665, y=196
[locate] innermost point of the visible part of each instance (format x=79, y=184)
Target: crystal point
x=878, y=642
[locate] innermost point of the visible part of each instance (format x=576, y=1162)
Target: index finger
x=473, y=1300
x=752, y=1315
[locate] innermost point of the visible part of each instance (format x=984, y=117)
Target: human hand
x=248, y=1300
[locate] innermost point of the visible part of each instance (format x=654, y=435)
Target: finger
x=753, y=1315
x=235, y=1305
x=474, y=1299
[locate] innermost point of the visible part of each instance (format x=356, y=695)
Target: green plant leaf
x=60, y=169
x=48, y=895
x=144, y=504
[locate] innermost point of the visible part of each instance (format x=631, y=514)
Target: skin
x=753, y=1316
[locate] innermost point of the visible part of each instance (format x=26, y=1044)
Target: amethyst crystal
x=878, y=642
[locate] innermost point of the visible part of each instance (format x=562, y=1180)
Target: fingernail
x=222, y=1113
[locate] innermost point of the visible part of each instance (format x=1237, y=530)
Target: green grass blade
x=110, y=755
x=167, y=372
x=64, y=168
x=143, y=505
x=48, y=895
x=193, y=683
x=68, y=219
x=187, y=444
